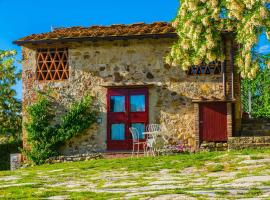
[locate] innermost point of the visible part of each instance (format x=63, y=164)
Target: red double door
x=125, y=108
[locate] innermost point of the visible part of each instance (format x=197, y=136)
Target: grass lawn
x=207, y=175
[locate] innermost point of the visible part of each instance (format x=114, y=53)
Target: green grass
x=99, y=174
x=253, y=192
x=215, y=168
x=256, y=157
x=33, y=192
x=222, y=193
x=267, y=183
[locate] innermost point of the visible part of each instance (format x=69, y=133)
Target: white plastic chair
x=136, y=141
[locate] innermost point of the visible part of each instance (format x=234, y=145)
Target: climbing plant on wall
x=46, y=133
x=199, y=24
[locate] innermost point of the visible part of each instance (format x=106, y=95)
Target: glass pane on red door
x=118, y=132
x=137, y=103
x=117, y=103
x=140, y=127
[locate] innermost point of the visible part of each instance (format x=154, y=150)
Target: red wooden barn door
x=126, y=108
x=213, y=122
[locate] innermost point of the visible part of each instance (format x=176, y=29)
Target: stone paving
x=249, y=179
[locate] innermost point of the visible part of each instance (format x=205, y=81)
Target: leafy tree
x=10, y=106
x=199, y=24
x=259, y=91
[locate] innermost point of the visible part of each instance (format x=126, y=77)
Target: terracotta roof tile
x=139, y=29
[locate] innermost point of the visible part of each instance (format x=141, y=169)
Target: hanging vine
x=199, y=24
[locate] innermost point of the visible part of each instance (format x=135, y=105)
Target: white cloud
x=264, y=49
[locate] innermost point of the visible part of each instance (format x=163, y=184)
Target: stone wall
x=94, y=66
x=237, y=143
x=74, y=158
x=255, y=127
x=214, y=146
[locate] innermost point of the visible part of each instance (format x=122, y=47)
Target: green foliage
x=260, y=94
x=45, y=135
x=200, y=24
x=10, y=106
x=5, y=150
x=76, y=120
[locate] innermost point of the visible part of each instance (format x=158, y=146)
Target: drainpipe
x=232, y=66
x=223, y=68
x=249, y=102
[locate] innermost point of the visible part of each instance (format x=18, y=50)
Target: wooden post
x=249, y=101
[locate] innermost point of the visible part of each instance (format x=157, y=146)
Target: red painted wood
x=127, y=117
x=213, y=122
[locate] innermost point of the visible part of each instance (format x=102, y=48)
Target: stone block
x=15, y=161
x=211, y=145
x=219, y=145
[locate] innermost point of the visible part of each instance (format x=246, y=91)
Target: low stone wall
x=255, y=127
x=74, y=158
x=214, y=146
x=238, y=143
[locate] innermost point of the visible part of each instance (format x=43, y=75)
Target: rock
x=74, y=158
x=102, y=68
x=219, y=144
x=117, y=77
x=173, y=94
x=149, y=75
x=204, y=145
x=211, y=144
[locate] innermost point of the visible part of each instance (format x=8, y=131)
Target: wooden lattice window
x=212, y=68
x=52, y=64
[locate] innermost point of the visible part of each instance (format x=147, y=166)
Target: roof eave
x=93, y=39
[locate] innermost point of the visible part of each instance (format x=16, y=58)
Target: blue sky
x=25, y=17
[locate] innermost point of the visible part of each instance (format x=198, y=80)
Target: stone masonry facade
x=174, y=96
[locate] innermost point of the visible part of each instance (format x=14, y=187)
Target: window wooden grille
x=213, y=68
x=52, y=64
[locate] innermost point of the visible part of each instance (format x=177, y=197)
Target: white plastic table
x=150, y=142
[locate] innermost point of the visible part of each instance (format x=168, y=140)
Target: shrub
x=45, y=134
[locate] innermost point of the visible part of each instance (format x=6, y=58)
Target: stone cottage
x=123, y=67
